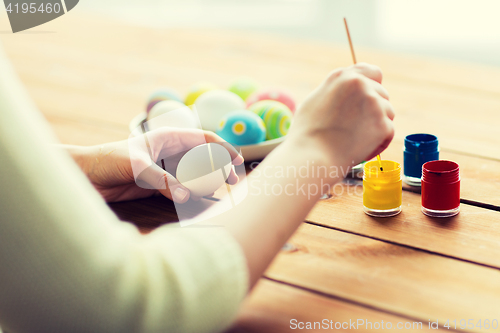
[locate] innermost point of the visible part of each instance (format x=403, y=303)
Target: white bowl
x=249, y=152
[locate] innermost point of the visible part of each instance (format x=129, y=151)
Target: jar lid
x=421, y=143
x=440, y=172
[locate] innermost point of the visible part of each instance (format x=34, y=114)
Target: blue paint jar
x=419, y=148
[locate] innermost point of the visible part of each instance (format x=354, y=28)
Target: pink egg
x=272, y=94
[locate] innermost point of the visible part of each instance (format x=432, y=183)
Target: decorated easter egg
x=215, y=104
x=197, y=90
x=171, y=114
x=276, y=116
x=241, y=128
x=243, y=87
x=163, y=94
x=274, y=95
x=203, y=169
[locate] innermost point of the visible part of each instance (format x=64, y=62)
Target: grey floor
x=455, y=29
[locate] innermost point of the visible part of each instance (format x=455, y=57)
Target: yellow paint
x=382, y=190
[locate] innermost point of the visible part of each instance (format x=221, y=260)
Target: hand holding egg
x=239, y=115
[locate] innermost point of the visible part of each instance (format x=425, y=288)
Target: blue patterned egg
x=241, y=128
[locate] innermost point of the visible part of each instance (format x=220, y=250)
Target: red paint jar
x=440, y=188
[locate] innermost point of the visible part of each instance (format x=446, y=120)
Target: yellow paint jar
x=382, y=190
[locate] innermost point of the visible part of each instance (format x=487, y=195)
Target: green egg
x=243, y=87
x=276, y=116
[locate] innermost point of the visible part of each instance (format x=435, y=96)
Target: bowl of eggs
x=255, y=121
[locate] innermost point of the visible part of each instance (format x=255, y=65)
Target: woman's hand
x=348, y=117
x=109, y=167
x=345, y=120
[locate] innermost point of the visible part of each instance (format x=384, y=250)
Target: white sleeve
x=68, y=265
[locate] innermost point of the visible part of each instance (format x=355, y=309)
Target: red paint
x=440, y=185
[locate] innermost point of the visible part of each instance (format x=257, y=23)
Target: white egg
x=172, y=114
x=204, y=169
x=213, y=105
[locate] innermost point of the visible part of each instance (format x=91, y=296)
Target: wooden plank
x=271, y=306
x=85, y=133
x=380, y=275
x=147, y=214
x=405, y=281
x=385, y=276
x=87, y=74
x=471, y=235
x=150, y=213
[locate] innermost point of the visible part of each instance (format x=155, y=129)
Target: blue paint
x=419, y=148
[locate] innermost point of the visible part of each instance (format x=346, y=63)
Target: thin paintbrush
x=354, y=61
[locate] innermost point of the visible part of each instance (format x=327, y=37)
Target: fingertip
x=371, y=71
x=180, y=195
x=238, y=160
x=232, y=179
x=236, y=157
x=383, y=92
x=390, y=112
x=334, y=74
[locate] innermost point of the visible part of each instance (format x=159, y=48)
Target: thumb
x=165, y=183
x=174, y=190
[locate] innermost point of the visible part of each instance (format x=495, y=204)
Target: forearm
x=279, y=198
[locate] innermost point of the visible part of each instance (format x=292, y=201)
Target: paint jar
x=419, y=148
x=440, y=189
x=382, y=190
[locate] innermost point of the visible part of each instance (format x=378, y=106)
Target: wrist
x=333, y=145
x=319, y=158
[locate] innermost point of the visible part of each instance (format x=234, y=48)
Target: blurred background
x=452, y=29
x=91, y=71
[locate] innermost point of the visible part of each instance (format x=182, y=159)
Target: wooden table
x=90, y=76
